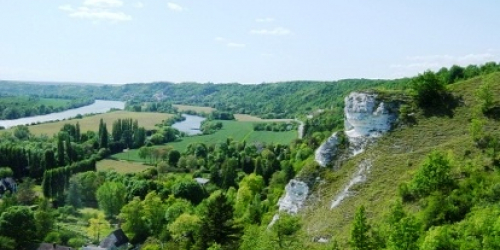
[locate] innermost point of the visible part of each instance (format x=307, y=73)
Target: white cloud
x=97, y=10
x=219, y=39
x=100, y=14
x=139, y=5
x=175, y=7
x=279, y=31
x=265, y=20
x=103, y=3
x=66, y=7
x=236, y=45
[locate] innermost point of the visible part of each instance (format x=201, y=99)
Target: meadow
x=238, y=131
x=197, y=109
x=146, y=120
x=121, y=166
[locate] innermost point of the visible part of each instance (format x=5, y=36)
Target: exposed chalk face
x=324, y=153
x=295, y=194
x=366, y=116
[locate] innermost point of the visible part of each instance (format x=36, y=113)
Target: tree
x=217, y=224
x=7, y=243
x=44, y=219
x=188, y=189
x=26, y=194
x=484, y=95
x=360, y=233
x=154, y=213
x=430, y=91
x=111, y=197
x=17, y=223
x=96, y=227
x=184, y=228
x=404, y=230
x=173, y=157
x=285, y=230
x=433, y=175
x=6, y=172
x=134, y=223
x=73, y=196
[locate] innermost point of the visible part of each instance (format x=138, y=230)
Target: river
x=99, y=106
x=191, y=125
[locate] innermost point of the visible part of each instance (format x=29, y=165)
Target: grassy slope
x=147, y=120
x=239, y=131
x=395, y=158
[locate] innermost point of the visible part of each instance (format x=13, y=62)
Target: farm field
x=121, y=166
x=251, y=118
x=238, y=131
x=182, y=108
x=147, y=120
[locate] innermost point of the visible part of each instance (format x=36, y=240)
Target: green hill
x=397, y=156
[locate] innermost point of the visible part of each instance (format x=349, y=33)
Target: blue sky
x=246, y=41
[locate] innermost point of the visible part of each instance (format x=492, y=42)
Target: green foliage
x=189, y=189
x=433, y=175
x=360, y=238
x=17, y=223
x=6, y=172
x=484, y=95
x=111, y=197
x=217, y=224
x=430, y=90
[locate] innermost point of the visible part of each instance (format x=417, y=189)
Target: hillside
x=395, y=158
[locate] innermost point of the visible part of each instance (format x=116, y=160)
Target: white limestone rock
x=326, y=151
x=295, y=195
x=366, y=116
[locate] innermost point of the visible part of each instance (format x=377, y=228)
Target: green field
x=239, y=131
x=122, y=167
x=198, y=109
x=146, y=120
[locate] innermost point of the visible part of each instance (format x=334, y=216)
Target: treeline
x=275, y=126
x=14, y=107
x=55, y=181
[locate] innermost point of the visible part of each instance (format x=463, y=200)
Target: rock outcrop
x=366, y=118
x=295, y=194
x=326, y=151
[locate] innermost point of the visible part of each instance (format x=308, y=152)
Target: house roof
x=53, y=246
x=116, y=238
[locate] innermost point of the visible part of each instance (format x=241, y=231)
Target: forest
x=433, y=184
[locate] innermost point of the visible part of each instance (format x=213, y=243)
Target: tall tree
x=360, y=233
x=218, y=225
x=18, y=223
x=111, y=197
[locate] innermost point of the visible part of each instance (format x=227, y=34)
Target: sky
x=245, y=41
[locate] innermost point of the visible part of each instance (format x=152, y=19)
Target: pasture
x=251, y=118
x=238, y=131
x=146, y=120
x=198, y=109
x=121, y=166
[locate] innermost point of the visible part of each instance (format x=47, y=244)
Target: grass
x=395, y=158
x=121, y=166
x=238, y=131
x=147, y=120
x=251, y=118
x=79, y=224
x=198, y=109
